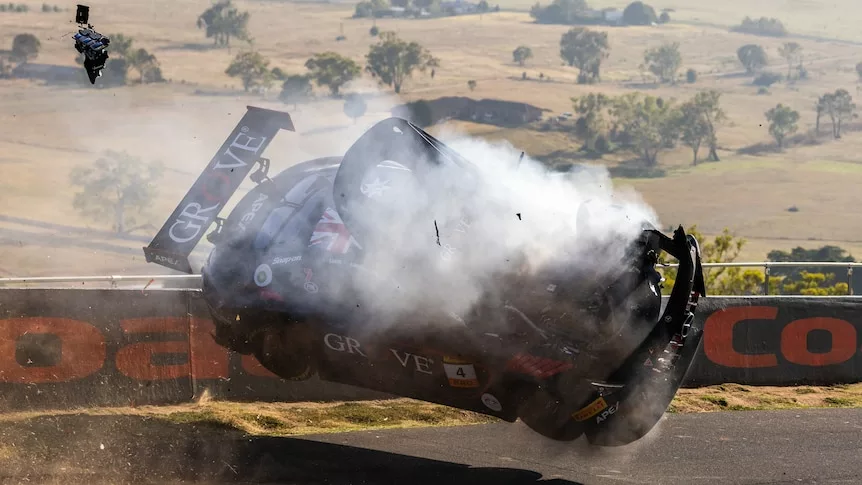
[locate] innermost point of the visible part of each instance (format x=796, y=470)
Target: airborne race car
x=281, y=285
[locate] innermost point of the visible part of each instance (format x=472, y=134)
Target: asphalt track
x=758, y=447
x=762, y=447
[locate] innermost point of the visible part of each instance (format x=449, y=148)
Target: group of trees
x=646, y=124
x=838, y=106
x=26, y=47
x=391, y=61
x=726, y=247
x=754, y=59
x=14, y=7
x=763, y=26
x=585, y=49
x=578, y=12
x=23, y=7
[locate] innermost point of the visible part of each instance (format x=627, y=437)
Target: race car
x=317, y=269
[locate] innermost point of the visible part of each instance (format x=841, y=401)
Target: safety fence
x=182, y=281
x=106, y=347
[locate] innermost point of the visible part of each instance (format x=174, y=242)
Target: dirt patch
x=221, y=443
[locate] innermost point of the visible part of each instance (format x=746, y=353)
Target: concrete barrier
x=70, y=347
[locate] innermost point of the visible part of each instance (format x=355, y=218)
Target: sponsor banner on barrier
x=128, y=347
x=779, y=341
x=120, y=347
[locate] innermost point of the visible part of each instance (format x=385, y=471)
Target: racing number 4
x=460, y=374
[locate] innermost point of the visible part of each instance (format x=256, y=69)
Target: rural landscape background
x=174, y=102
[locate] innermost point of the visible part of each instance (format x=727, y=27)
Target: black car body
x=275, y=284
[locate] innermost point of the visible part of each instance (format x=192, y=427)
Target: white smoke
x=526, y=220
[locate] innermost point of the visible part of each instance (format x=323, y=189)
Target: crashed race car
x=569, y=352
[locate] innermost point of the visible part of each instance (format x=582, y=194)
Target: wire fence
x=194, y=281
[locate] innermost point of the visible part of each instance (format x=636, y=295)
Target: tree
x=143, y=62
x=115, y=187
x=471, y=84
x=120, y=45
x=792, y=53
x=639, y=13
x=697, y=119
x=355, y=106
x=648, y=122
x=782, y=122
x=223, y=21
x=296, y=88
x=591, y=123
x=859, y=70
x=709, y=104
x=278, y=74
x=252, y=68
x=370, y=8
x=521, y=54
x=664, y=61
x=693, y=128
x=584, y=49
x=392, y=60
x=332, y=70
x=840, y=108
x=820, y=108
x=24, y=48
x=752, y=57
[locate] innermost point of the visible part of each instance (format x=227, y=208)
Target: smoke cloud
x=446, y=238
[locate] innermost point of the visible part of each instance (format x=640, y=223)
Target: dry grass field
x=47, y=130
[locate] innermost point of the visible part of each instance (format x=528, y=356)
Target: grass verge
x=735, y=397
x=292, y=419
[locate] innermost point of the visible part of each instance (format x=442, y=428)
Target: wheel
x=285, y=351
x=546, y=414
x=645, y=400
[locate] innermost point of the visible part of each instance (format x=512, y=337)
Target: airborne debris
x=93, y=45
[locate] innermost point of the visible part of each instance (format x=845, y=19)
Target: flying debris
x=93, y=45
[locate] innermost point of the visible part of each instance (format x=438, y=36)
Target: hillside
x=48, y=130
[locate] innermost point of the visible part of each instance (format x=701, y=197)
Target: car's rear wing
x=216, y=184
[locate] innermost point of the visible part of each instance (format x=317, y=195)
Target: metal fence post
x=765, y=278
x=850, y=279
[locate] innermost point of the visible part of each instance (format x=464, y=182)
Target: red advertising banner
x=61, y=348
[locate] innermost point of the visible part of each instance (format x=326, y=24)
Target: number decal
x=460, y=373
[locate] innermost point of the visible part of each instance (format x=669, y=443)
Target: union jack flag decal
x=331, y=234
